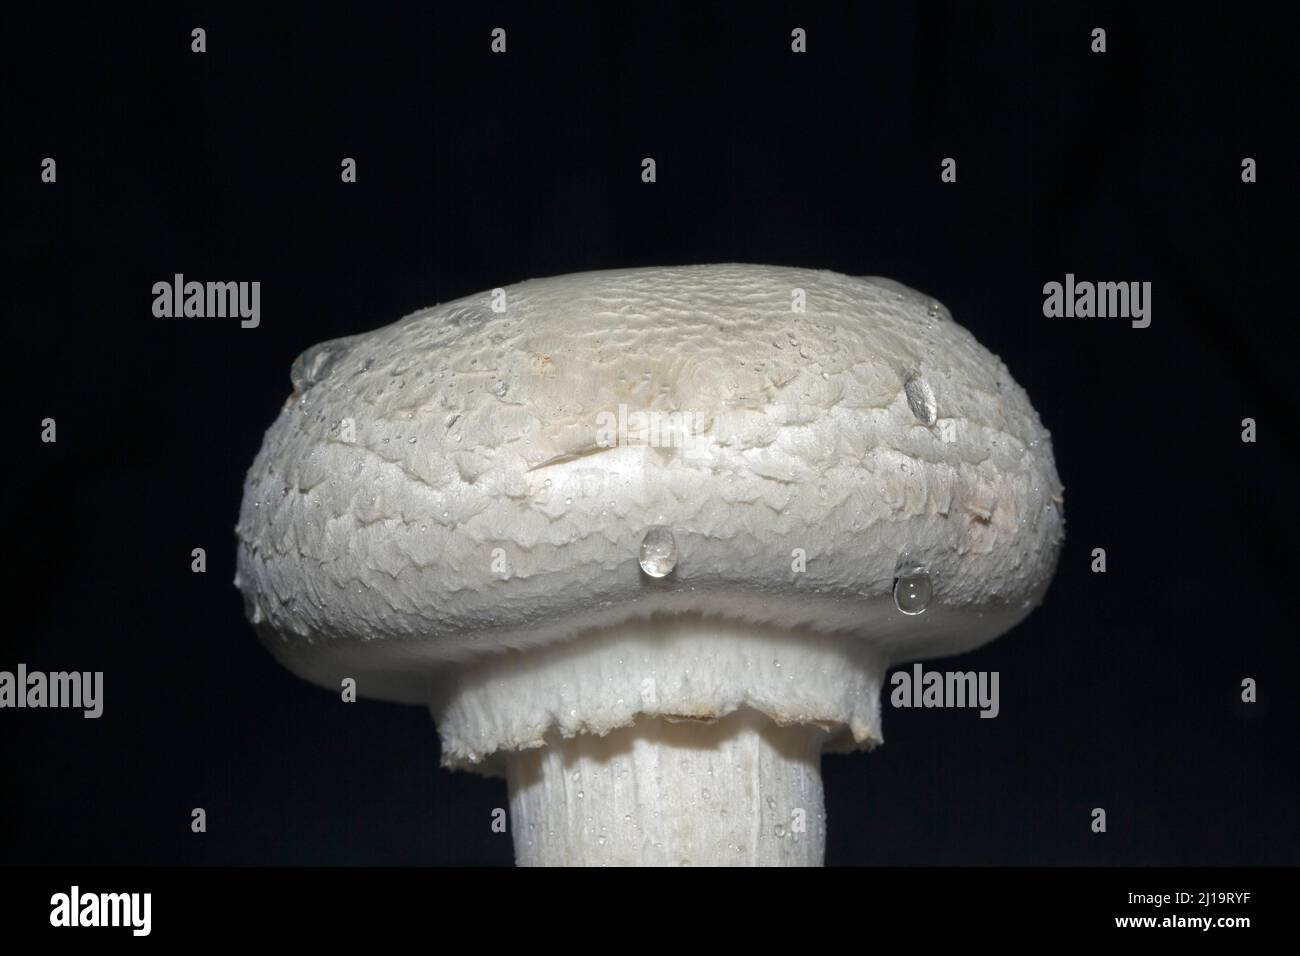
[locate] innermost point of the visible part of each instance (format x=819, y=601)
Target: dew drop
x=314, y=364
x=658, y=552
x=920, y=397
x=912, y=589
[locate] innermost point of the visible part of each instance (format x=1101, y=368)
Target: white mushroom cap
x=446, y=487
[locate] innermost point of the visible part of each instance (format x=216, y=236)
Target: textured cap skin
x=448, y=485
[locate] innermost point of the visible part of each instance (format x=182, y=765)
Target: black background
x=1121, y=691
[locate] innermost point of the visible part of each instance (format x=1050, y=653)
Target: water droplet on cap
x=658, y=552
x=912, y=589
x=313, y=365
x=920, y=398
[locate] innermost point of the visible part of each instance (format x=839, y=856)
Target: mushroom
x=647, y=541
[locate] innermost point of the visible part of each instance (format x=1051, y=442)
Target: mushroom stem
x=740, y=790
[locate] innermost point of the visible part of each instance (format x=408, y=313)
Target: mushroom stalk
x=741, y=790
x=671, y=741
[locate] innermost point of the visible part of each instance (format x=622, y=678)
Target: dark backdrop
x=475, y=170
